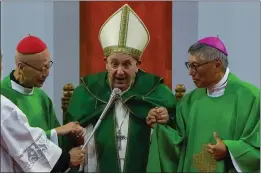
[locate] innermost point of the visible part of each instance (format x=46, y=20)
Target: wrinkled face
x=204, y=73
x=36, y=69
x=122, y=70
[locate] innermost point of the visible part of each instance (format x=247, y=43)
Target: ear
x=137, y=65
x=218, y=64
x=20, y=66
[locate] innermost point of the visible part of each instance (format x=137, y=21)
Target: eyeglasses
x=42, y=69
x=194, y=67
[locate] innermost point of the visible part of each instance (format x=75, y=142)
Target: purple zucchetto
x=214, y=42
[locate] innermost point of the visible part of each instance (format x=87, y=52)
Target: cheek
x=132, y=73
x=111, y=72
x=32, y=76
x=202, y=76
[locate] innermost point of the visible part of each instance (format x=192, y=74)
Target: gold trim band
x=124, y=26
x=122, y=49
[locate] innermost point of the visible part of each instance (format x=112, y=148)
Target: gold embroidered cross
x=204, y=161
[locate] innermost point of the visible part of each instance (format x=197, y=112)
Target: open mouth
x=119, y=80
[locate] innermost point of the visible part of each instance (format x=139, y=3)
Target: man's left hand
x=162, y=115
x=218, y=150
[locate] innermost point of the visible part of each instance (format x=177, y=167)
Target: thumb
x=218, y=139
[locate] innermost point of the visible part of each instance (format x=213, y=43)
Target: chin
x=121, y=87
x=198, y=85
x=39, y=85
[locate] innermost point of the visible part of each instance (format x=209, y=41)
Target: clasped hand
x=157, y=115
x=72, y=128
x=77, y=156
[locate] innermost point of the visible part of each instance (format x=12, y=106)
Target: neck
x=20, y=80
x=217, y=79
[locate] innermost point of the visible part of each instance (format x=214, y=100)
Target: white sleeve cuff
x=54, y=137
x=235, y=163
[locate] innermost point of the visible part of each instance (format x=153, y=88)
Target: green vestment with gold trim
x=37, y=107
x=234, y=116
x=89, y=100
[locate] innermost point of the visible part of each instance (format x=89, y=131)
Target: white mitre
x=124, y=32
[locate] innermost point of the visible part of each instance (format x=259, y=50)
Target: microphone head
x=116, y=91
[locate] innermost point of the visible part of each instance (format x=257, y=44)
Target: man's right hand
x=77, y=156
x=70, y=128
x=151, y=118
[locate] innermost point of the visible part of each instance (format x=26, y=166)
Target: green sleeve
x=52, y=120
x=80, y=106
x=246, y=150
x=48, y=133
x=165, y=146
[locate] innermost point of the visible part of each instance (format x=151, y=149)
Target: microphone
x=115, y=95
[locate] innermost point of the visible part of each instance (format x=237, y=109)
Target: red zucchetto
x=31, y=45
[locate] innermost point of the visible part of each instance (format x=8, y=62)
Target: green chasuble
x=89, y=100
x=234, y=116
x=37, y=106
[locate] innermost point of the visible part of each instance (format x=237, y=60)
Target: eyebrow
x=127, y=61
x=192, y=63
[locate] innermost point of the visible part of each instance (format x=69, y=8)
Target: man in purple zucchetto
x=217, y=125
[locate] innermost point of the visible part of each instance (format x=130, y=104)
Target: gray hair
x=208, y=53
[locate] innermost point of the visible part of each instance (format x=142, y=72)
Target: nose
x=120, y=71
x=191, y=72
x=45, y=73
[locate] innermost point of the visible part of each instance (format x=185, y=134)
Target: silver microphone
x=114, y=96
x=116, y=93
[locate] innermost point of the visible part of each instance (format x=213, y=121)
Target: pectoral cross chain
x=119, y=139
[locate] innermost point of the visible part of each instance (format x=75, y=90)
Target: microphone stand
x=109, y=104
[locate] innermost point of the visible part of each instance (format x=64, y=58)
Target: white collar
x=17, y=87
x=219, y=88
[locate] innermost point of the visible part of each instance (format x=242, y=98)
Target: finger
x=149, y=122
x=152, y=121
x=150, y=117
x=82, y=133
x=218, y=139
x=164, y=116
x=159, y=117
x=161, y=109
x=162, y=121
x=211, y=146
x=153, y=114
x=78, y=130
x=152, y=110
x=210, y=151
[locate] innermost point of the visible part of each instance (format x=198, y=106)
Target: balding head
x=32, y=62
x=37, y=59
